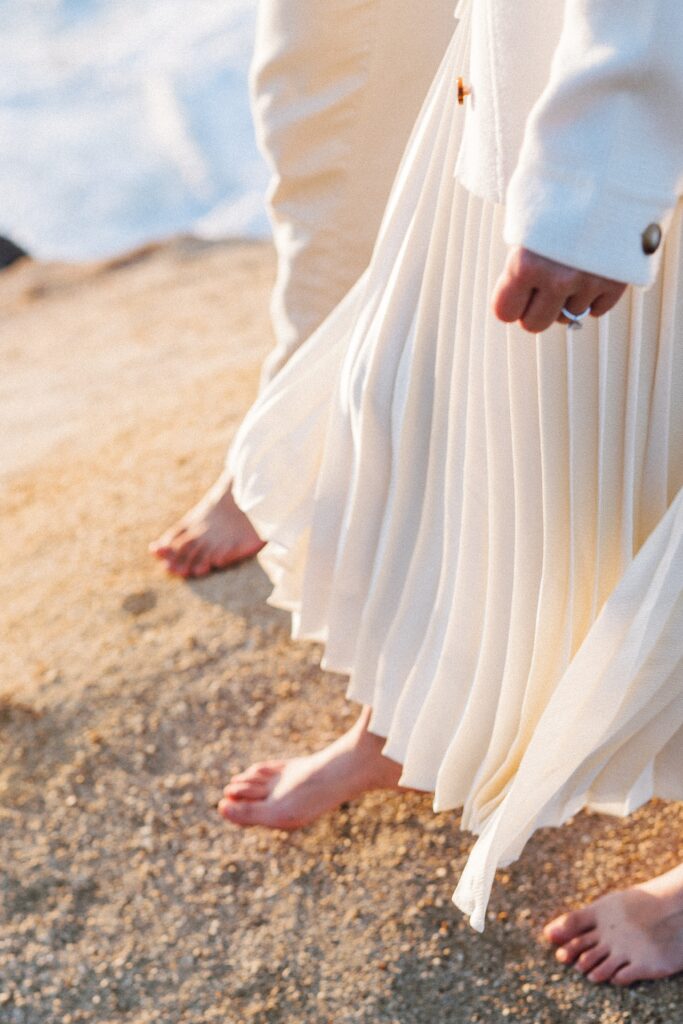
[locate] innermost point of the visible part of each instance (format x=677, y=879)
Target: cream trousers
x=336, y=87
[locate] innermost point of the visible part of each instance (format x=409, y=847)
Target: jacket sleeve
x=602, y=154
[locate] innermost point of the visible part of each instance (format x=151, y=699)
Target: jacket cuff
x=585, y=224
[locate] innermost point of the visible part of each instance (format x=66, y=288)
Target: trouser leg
x=336, y=87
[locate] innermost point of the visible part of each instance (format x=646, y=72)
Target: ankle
x=668, y=888
x=362, y=738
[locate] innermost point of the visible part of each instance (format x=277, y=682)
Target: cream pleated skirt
x=484, y=528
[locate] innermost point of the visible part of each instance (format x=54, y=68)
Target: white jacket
x=575, y=121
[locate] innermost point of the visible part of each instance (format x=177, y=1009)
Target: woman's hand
x=533, y=290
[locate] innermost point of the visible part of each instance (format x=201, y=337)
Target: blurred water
x=124, y=120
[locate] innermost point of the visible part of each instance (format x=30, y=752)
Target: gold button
x=651, y=238
x=463, y=91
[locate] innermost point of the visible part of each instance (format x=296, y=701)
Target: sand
x=127, y=697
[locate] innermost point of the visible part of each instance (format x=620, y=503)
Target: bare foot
x=290, y=794
x=626, y=936
x=212, y=535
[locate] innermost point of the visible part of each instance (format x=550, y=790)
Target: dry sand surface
x=128, y=696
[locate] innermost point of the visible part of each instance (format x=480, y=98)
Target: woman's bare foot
x=289, y=794
x=212, y=535
x=626, y=936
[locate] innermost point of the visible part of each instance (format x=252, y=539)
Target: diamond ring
x=575, y=319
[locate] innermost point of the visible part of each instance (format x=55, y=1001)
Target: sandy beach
x=127, y=697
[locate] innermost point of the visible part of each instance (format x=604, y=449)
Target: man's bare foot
x=290, y=794
x=626, y=936
x=212, y=535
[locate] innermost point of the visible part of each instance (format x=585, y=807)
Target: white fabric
x=336, y=87
x=485, y=529
x=603, y=150
x=591, y=93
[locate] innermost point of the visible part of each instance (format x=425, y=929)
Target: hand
x=533, y=290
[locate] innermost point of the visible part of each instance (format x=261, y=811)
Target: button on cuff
x=586, y=224
x=651, y=239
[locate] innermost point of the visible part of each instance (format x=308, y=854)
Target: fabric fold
x=484, y=528
x=614, y=711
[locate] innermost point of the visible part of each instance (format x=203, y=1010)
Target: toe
x=253, y=789
x=568, y=926
x=200, y=566
x=260, y=770
x=168, y=543
x=161, y=546
x=568, y=953
x=181, y=558
x=242, y=777
x=266, y=769
x=607, y=968
x=626, y=975
x=589, y=960
x=199, y=556
x=204, y=567
x=239, y=812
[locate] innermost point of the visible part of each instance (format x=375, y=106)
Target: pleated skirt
x=484, y=527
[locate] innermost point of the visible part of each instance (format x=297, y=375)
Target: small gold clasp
x=463, y=91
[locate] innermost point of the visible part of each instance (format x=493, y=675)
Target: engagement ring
x=575, y=319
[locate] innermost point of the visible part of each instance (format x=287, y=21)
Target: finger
x=580, y=301
x=603, y=303
x=542, y=311
x=511, y=296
